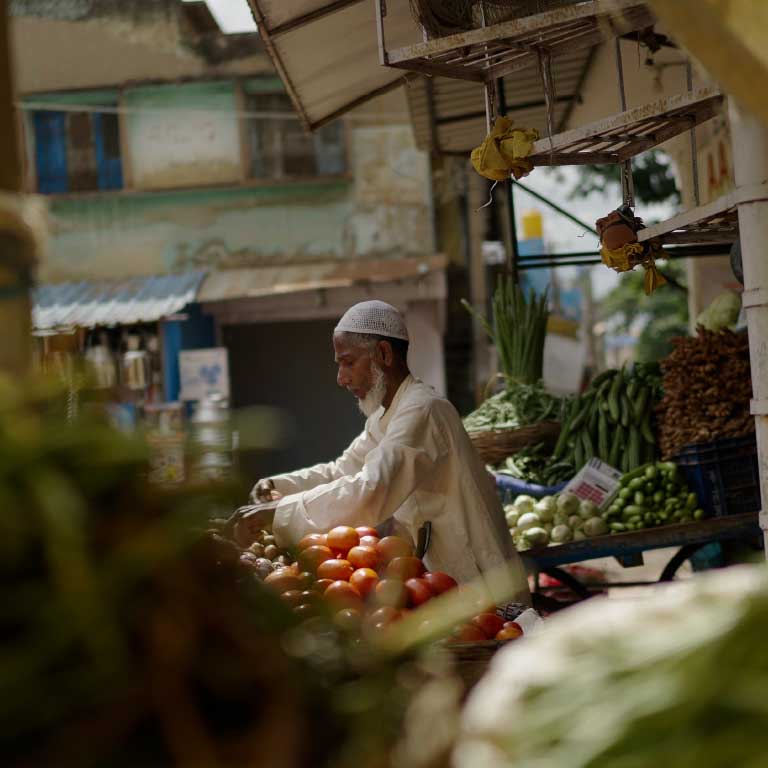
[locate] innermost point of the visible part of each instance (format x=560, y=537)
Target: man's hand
x=246, y=522
x=264, y=491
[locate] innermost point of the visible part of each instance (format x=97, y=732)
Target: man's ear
x=386, y=352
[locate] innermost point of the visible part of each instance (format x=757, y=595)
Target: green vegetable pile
x=534, y=464
x=518, y=330
x=516, y=406
x=613, y=420
x=651, y=495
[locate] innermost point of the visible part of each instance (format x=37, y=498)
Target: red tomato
x=312, y=540
x=405, y=568
x=369, y=541
x=304, y=610
x=390, y=593
x=364, y=580
x=348, y=619
x=366, y=530
x=393, y=546
x=283, y=581
x=342, y=539
x=311, y=558
x=337, y=570
x=307, y=579
x=341, y=594
x=293, y=597
x=489, y=623
x=379, y=620
x=363, y=557
x=321, y=585
x=418, y=592
x=439, y=582
x=511, y=632
x=468, y=633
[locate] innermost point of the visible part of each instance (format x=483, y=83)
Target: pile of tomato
x=369, y=582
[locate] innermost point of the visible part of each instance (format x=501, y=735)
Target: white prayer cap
x=376, y=317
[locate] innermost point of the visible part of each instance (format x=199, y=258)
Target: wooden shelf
x=485, y=54
x=619, y=137
x=715, y=222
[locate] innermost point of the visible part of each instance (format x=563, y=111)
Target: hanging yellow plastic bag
x=504, y=151
x=627, y=257
x=621, y=251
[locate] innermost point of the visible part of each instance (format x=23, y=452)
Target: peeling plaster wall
x=185, y=135
x=381, y=212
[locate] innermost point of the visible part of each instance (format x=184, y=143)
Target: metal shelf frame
x=624, y=135
x=483, y=55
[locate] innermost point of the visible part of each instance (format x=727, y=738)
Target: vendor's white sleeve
x=350, y=462
x=391, y=472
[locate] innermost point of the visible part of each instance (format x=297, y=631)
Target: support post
x=750, y=154
x=16, y=260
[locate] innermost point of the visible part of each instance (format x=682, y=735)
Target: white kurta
x=416, y=463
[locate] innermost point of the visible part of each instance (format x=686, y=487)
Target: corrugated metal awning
x=260, y=282
x=113, y=302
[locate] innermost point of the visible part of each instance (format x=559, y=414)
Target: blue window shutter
x=51, y=152
x=108, y=161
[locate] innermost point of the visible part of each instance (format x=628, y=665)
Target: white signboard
x=596, y=481
x=204, y=372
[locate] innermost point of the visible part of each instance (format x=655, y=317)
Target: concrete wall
x=190, y=207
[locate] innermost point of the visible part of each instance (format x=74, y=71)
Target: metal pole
x=749, y=138
x=694, y=150
x=555, y=207
x=15, y=258
x=513, y=250
x=627, y=184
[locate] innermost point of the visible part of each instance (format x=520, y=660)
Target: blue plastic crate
x=724, y=474
x=510, y=488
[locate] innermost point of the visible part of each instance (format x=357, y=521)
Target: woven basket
x=495, y=445
x=470, y=660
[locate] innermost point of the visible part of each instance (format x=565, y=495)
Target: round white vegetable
x=536, y=537
x=545, y=508
x=548, y=528
x=595, y=526
x=560, y=518
x=561, y=534
x=568, y=503
x=524, y=504
x=528, y=520
x=575, y=522
x=588, y=509
x=512, y=516
x=579, y=535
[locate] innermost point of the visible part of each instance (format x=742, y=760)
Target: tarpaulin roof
x=326, y=52
x=113, y=302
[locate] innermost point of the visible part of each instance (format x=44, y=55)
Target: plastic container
x=510, y=488
x=724, y=475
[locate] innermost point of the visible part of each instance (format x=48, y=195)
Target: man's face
x=355, y=372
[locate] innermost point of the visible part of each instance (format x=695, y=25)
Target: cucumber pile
x=651, y=495
x=613, y=420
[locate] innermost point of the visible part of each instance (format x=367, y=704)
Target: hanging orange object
x=504, y=151
x=621, y=251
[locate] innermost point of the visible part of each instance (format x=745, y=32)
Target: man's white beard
x=376, y=394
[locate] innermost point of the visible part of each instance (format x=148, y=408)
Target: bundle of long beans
x=518, y=331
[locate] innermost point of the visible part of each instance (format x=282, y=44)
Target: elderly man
x=413, y=462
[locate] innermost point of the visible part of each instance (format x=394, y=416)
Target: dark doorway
x=289, y=365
